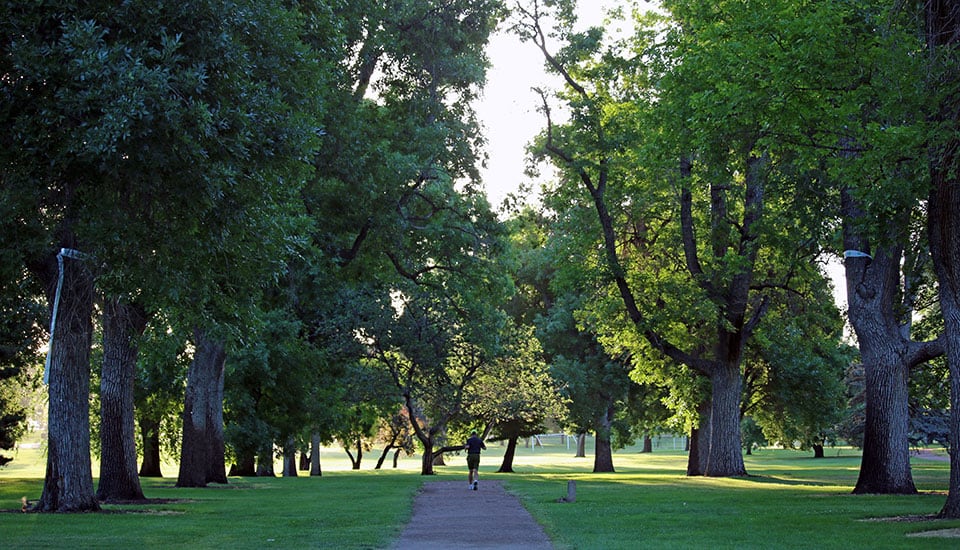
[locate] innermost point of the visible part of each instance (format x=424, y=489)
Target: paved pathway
x=446, y=514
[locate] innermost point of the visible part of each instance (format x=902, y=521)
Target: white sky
x=508, y=107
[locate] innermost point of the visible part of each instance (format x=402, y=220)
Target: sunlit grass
x=790, y=500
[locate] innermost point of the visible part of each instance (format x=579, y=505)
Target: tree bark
x=123, y=323
x=506, y=466
x=581, y=446
x=818, y=451
x=304, y=465
x=693, y=456
x=290, y=458
x=68, y=483
x=603, y=452
x=426, y=463
x=725, y=458
x=873, y=284
x=315, y=455
x=943, y=41
x=202, y=458
x=383, y=457
x=150, y=440
x=647, y=444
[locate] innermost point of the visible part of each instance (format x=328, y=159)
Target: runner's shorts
x=473, y=461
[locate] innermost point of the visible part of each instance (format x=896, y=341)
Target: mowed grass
x=790, y=501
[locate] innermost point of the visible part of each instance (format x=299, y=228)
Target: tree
x=123, y=325
x=943, y=39
x=369, y=397
x=517, y=395
x=878, y=167
x=794, y=383
x=396, y=435
x=594, y=383
x=433, y=352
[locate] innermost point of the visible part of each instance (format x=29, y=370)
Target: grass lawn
x=790, y=501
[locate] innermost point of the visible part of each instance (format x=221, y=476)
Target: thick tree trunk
x=68, y=483
x=396, y=457
x=290, y=458
x=150, y=440
x=315, y=455
x=885, y=465
x=725, y=458
x=603, y=453
x=506, y=466
x=426, y=463
x=872, y=290
x=647, y=444
x=818, y=451
x=123, y=324
x=700, y=441
x=943, y=40
x=202, y=458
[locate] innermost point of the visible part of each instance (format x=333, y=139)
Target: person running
x=473, y=447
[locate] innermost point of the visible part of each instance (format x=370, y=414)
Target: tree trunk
x=699, y=441
x=265, y=464
x=383, y=456
x=123, y=324
x=885, y=465
x=581, y=446
x=943, y=40
x=818, y=451
x=426, y=463
x=354, y=461
x=290, y=458
x=872, y=290
x=603, y=453
x=150, y=440
x=647, y=444
x=506, y=467
x=304, y=465
x=315, y=455
x=725, y=457
x=693, y=454
x=68, y=483
x=246, y=466
x=396, y=457
x=202, y=448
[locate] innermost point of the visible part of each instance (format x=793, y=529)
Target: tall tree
x=943, y=42
x=123, y=325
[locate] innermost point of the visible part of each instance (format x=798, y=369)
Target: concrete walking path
x=446, y=514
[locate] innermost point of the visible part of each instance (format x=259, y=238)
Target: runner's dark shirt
x=474, y=444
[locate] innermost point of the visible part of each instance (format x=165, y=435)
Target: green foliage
x=518, y=395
